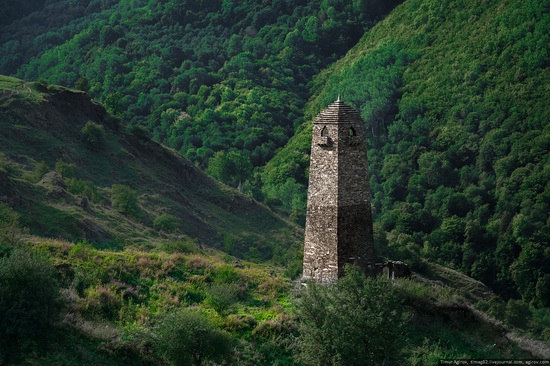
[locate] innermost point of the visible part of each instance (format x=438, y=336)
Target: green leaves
x=356, y=321
x=93, y=136
x=457, y=134
x=124, y=199
x=231, y=168
x=10, y=233
x=165, y=222
x=30, y=302
x=185, y=337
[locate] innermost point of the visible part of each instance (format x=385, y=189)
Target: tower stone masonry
x=338, y=221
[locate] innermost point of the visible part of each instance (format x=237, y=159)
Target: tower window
x=352, y=132
x=324, y=132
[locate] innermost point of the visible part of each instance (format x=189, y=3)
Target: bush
x=357, y=321
x=93, y=136
x=180, y=246
x=67, y=170
x=10, y=233
x=187, y=338
x=82, y=84
x=103, y=302
x=294, y=266
x=517, y=313
x=124, y=199
x=221, y=297
x=226, y=274
x=39, y=170
x=165, y=222
x=495, y=307
x=29, y=302
x=82, y=280
x=85, y=188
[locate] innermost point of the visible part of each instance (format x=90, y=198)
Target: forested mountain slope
x=204, y=77
x=455, y=95
x=72, y=171
x=456, y=98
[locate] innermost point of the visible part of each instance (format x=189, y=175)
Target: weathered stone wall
x=338, y=222
x=320, y=251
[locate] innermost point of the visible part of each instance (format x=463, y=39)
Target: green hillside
x=154, y=161
x=91, y=306
x=124, y=284
x=203, y=77
x=455, y=96
x=118, y=187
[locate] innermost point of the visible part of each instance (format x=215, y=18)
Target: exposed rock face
x=53, y=179
x=396, y=269
x=338, y=222
x=54, y=184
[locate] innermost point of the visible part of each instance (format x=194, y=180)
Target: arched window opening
x=352, y=132
x=324, y=140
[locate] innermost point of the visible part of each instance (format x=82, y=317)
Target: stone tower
x=338, y=222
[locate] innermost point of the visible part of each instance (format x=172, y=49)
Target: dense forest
x=455, y=97
x=454, y=94
x=202, y=76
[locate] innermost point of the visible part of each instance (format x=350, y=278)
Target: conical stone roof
x=338, y=113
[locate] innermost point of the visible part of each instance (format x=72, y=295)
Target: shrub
x=165, y=222
x=82, y=84
x=29, y=302
x=517, y=313
x=186, y=337
x=82, y=280
x=93, y=136
x=240, y=322
x=226, y=273
x=294, y=268
x=495, y=307
x=356, y=321
x=180, y=246
x=39, y=170
x=222, y=296
x=124, y=199
x=103, y=302
x=85, y=188
x=10, y=233
x=67, y=170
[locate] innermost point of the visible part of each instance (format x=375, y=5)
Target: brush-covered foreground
x=170, y=304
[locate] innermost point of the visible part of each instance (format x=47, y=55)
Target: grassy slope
x=42, y=124
x=114, y=298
